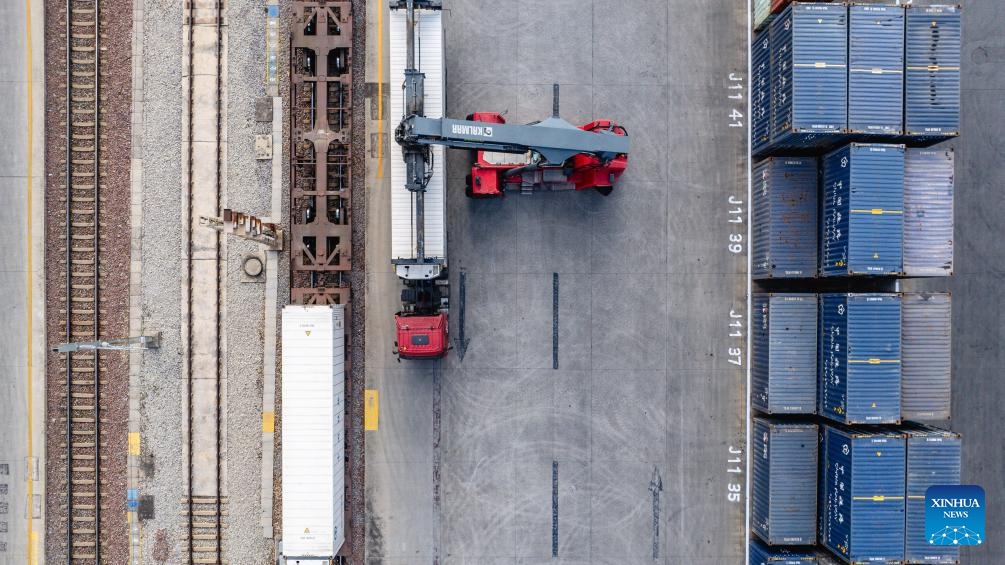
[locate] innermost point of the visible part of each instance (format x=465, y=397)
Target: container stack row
x=856, y=492
x=852, y=358
x=829, y=73
x=860, y=210
x=850, y=375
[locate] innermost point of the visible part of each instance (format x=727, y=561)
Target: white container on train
x=313, y=433
x=429, y=58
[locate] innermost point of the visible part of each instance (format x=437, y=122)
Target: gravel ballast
x=163, y=265
x=114, y=253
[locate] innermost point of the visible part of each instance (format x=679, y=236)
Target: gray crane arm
x=554, y=138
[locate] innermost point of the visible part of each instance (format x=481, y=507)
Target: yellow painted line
x=876, y=211
x=878, y=498
x=380, y=89
x=32, y=534
x=371, y=410
x=129, y=532
x=268, y=422
x=33, y=547
x=874, y=361
x=134, y=443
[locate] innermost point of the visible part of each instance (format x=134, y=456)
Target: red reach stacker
x=550, y=154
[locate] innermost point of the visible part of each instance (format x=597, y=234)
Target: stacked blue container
x=784, y=218
x=860, y=357
x=863, y=211
x=809, y=45
x=932, y=81
x=824, y=75
x=761, y=554
x=783, y=501
x=760, y=91
x=933, y=458
x=863, y=491
x=876, y=69
x=784, y=353
x=926, y=356
x=857, y=72
x=928, y=212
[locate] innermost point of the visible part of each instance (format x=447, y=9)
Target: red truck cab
x=421, y=337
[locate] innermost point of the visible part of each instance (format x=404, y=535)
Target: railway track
x=325, y=194
x=83, y=308
x=204, y=501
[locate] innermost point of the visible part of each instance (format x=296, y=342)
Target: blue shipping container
x=928, y=212
x=933, y=458
x=864, y=488
x=761, y=554
x=932, y=82
x=809, y=44
x=863, y=211
x=784, y=226
x=876, y=69
x=784, y=497
x=926, y=356
x=784, y=353
x=860, y=358
x=760, y=92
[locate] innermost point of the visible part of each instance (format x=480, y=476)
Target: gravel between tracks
x=116, y=22
x=249, y=189
x=354, y=418
x=161, y=292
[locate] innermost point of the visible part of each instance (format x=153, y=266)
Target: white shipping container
x=762, y=11
x=429, y=60
x=313, y=416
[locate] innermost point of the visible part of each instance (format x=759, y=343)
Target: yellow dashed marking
x=876, y=211
x=371, y=409
x=268, y=422
x=878, y=498
x=33, y=547
x=134, y=443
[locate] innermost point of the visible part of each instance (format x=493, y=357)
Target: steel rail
x=219, y=281
x=79, y=155
x=217, y=501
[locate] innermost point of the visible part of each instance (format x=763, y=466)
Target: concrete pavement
x=22, y=344
x=645, y=404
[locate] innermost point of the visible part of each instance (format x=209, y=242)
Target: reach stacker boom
x=551, y=154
